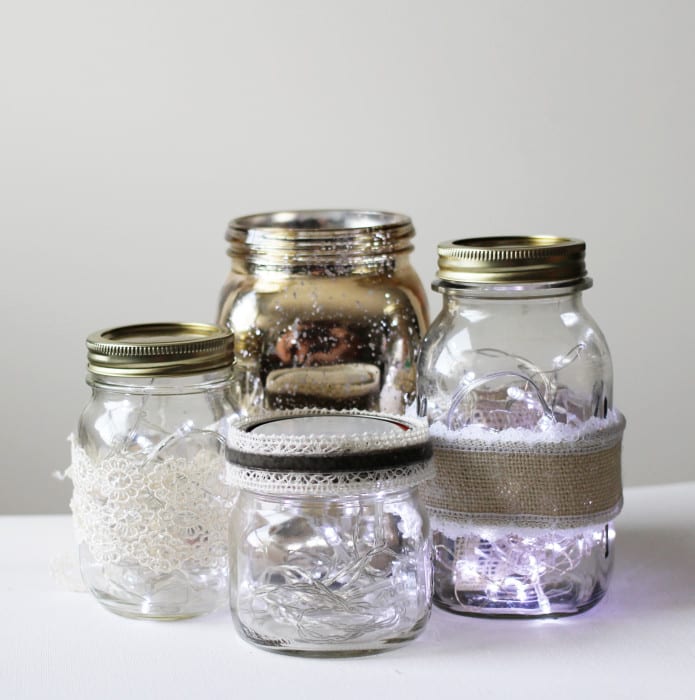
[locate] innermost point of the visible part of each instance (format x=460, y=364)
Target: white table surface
x=638, y=642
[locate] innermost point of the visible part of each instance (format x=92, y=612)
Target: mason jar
x=326, y=310
x=329, y=541
x=150, y=504
x=516, y=380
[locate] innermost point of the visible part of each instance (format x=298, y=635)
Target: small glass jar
x=329, y=542
x=516, y=380
x=326, y=310
x=150, y=503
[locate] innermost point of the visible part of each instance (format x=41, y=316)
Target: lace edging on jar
x=330, y=483
x=327, y=444
x=167, y=517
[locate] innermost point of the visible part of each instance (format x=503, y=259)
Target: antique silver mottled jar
x=329, y=549
x=325, y=308
x=516, y=379
x=150, y=503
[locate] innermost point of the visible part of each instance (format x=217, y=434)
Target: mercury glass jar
x=150, y=503
x=516, y=380
x=329, y=542
x=325, y=308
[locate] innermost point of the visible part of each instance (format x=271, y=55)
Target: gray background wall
x=131, y=131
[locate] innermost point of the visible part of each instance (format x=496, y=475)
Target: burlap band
x=498, y=479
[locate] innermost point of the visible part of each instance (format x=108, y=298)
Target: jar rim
x=536, y=290
x=305, y=222
x=311, y=237
x=254, y=444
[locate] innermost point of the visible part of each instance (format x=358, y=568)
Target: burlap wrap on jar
x=564, y=477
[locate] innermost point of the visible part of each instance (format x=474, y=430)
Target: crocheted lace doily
x=168, y=515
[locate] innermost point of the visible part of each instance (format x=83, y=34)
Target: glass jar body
x=530, y=361
x=149, y=503
x=330, y=576
x=332, y=336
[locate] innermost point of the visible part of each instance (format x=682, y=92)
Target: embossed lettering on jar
x=326, y=310
x=516, y=379
x=150, y=504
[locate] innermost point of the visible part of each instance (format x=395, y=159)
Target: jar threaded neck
x=343, y=239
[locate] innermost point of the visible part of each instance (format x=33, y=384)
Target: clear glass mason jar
x=326, y=310
x=150, y=503
x=329, y=542
x=516, y=380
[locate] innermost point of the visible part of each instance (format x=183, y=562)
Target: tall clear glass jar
x=150, y=502
x=329, y=542
x=325, y=308
x=516, y=380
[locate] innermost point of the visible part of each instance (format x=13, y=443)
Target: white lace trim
x=455, y=524
x=330, y=484
x=593, y=435
x=168, y=515
x=321, y=444
x=453, y=527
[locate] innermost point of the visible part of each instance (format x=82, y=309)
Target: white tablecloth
x=638, y=642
